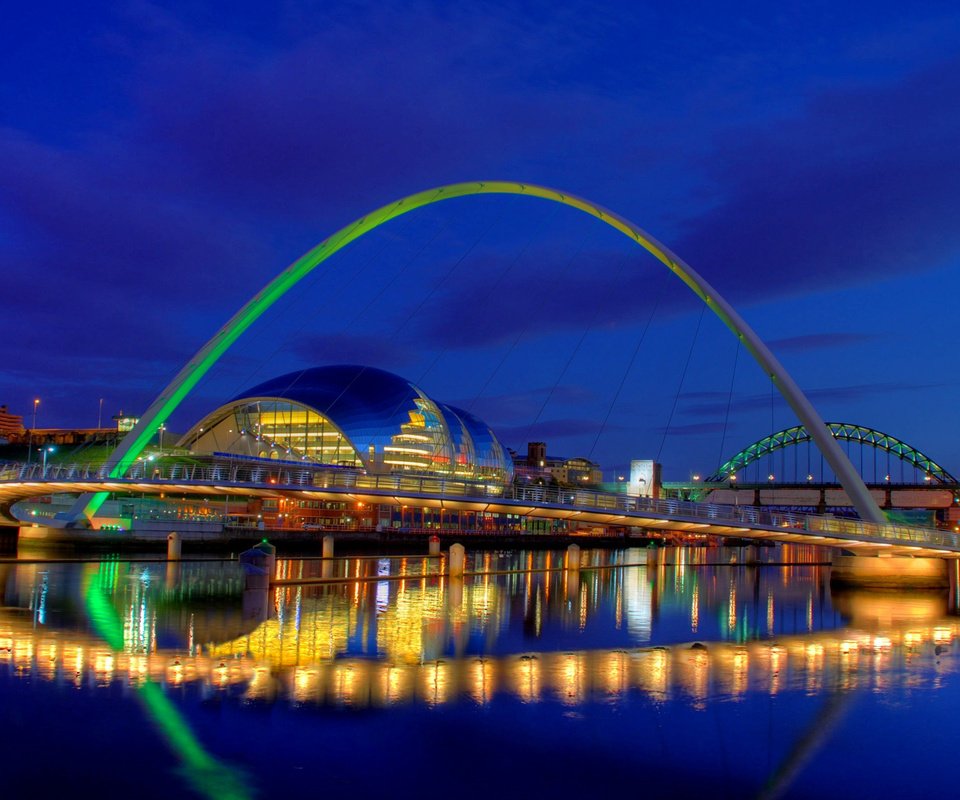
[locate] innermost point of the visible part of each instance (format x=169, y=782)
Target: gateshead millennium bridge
x=871, y=534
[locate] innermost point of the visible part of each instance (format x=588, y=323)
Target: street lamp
x=50, y=449
x=160, y=430
x=33, y=426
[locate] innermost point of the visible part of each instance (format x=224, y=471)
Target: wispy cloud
x=820, y=341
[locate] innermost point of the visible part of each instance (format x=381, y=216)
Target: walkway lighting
x=771, y=477
x=48, y=449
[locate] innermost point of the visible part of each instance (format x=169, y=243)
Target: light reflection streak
x=695, y=609
x=207, y=775
x=880, y=658
x=414, y=640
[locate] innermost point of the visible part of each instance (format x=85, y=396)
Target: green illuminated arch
x=135, y=441
x=842, y=431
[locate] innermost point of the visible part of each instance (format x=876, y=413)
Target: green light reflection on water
x=207, y=775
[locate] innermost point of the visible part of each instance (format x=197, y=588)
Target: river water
x=379, y=677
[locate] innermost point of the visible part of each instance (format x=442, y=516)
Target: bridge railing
x=307, y=477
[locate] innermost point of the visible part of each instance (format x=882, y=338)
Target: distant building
x=125, y=422
x=645, y=480
x=562, y=471
x=11, y=425
x=13, y=432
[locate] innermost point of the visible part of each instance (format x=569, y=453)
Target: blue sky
x=159, y=164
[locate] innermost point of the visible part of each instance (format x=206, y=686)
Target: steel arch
x=188, y=377
x=841, y=431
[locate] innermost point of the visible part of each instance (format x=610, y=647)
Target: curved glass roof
x=390, y=423
x=487, y=451
x=368, y=404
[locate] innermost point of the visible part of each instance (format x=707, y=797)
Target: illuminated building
x=12, y=430
x=562, y=471
x=11, y=425
x=125, y=422
x=353, y=417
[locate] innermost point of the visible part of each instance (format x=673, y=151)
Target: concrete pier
x=455, y=560
x=45, y=535
x=894, y=572
x=256, y=585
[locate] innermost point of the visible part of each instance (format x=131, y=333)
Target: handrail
x=240, y=473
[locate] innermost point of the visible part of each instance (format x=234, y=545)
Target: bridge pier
x=43, y=534
x=890, y=572
x=456, y=559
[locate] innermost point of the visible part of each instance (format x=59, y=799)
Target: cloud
x=859, y=187
x=819, y=397
x=507, y=407
x=819, y=341
x=550, y=429
x=695, y=429
x=596, y=290
x=346, y=348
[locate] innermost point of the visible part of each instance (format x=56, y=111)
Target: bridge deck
x=18, y=482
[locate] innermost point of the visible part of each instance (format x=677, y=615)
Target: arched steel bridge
x=841, y=431
x=170, y=398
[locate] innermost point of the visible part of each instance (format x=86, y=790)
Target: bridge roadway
x=243, y=478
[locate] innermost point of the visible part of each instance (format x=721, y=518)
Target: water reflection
x=878, y=660
x=396, y=631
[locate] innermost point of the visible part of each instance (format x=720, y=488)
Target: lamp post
x=49, y=449
x=33, y=426
x=160, y=431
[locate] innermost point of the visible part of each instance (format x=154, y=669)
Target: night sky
x=159, y=164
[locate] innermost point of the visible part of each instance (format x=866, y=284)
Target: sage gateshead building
x=353, y=417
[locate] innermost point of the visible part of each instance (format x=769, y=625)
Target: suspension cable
x=297, y=297
x=683, y=375
x=617, y=272
x=523, y=331
x=726, y=416
x=626, y=372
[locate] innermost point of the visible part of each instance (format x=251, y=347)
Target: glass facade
x=280, y=429
x=357, y=417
